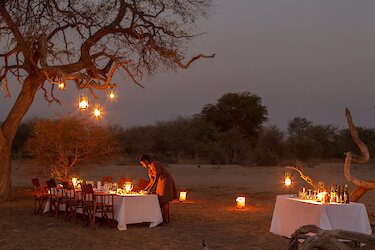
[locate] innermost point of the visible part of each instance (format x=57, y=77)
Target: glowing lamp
x=111, y=95
x=241, y=201
x=97, y=111
x=62, y=85
x=322, y=196
x=75, y=182
x=287, y=180
x=182, y=196
x=83, y=102
x=128, y=186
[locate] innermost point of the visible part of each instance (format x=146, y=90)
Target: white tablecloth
x=130, y=209
x=291, y=213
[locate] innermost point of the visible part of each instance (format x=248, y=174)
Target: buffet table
x=290, y=213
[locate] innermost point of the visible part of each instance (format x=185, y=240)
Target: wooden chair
x=94, y=203
x=106, y=179
x=53, y=198
x=69, y=198
x=122, y=181
x=41, y=196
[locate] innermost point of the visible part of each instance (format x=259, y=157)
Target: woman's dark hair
x=144, y=158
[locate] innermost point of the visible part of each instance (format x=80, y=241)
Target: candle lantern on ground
x=182, y=196
x=83, y=103
x=241, y=202
x=287, y=180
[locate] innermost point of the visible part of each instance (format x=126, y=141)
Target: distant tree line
x=231, y=131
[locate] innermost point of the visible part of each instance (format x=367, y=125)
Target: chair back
x=87, y=189
x=67, y=185
x=36, y=182
x=122, y=181
x=51, y=183
x=106, y=179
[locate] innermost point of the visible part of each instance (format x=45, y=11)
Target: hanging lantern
x=182, y=196
x=241, y=202
x=62, y=85
x=111, y=95
x=287, y=180
x=97, y=111
x=83, y=102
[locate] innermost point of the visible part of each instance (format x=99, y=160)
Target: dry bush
x=68, y=142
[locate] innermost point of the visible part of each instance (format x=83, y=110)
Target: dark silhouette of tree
x=242, y=112
x=47, y=42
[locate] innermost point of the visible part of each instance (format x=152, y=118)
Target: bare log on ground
x=361, y=186
x=327, y=239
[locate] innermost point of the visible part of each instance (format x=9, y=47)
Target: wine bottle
x=346, y=194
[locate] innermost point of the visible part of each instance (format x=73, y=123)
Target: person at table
x=165, y=189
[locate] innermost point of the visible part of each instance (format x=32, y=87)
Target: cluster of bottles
x=339, y=194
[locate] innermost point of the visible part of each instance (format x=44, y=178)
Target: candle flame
x=288, y=181
x=241, y=202
x=62, y=85
x=182, y=196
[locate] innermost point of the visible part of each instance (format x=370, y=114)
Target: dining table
x=291, y=212
x=129, y=208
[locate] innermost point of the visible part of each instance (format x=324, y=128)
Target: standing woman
x=165, y=189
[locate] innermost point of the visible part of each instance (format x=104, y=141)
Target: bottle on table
x=332, y=194
x=346, y=194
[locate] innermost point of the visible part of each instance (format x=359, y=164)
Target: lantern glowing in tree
x=111, y=95
x=287, y=180
x=241, y=202
x=83, y=102
x=97, y=111
x=182, y=196
x=62, y=85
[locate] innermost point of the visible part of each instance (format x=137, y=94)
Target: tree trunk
x=9, y=128
x=5, y=170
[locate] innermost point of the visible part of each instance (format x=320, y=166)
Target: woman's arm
x=150, y=184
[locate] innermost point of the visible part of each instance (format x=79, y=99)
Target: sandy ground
x=209, y=214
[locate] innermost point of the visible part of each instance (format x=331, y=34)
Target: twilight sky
x=308, y=58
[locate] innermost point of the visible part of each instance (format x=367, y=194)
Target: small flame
x=288, y=181
x=241, y=202
x=74, y=181
x=182, y=196
x=62, y=85
x=97, y=112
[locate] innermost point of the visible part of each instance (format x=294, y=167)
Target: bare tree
x=66, y=143
x=46, y=42
x=362, y=186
